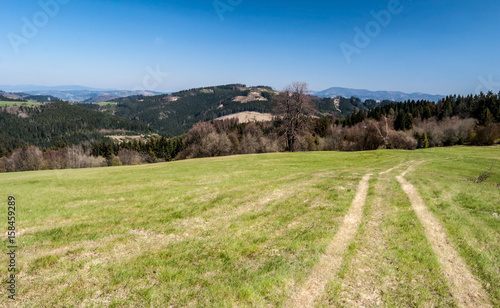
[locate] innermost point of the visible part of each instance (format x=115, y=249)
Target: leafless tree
x=383, y=132
x=292, y=106
x=77, y=158
x=448, y=131
x=129, y=157
x=56, y=159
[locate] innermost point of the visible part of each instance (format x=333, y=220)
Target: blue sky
x=438, y=47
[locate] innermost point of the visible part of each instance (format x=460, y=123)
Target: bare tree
x=383, y=134
x=292, y=106
x=129, y=157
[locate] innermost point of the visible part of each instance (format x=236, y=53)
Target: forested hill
x=176, y=113
x=58, y=122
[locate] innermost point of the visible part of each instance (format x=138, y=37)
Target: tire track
x=330, y=262
x=393, y=168
x=465, y=288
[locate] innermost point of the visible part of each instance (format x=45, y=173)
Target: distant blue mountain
x=76, y=93
x=377, y=95
x=35, y=88
x=92, y=95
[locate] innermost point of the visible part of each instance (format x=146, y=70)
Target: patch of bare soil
x=465, y=288
x=330, y=263
x=251, y=97
x=249, y=116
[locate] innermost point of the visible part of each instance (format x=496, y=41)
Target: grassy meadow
x=247, y=230
x=11, y=103
x=108, y=107
x=102, y=104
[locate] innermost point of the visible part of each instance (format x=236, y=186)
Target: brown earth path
x=464, y=287
x=329, y=264
x=365, y=288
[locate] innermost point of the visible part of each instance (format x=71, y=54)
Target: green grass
x=102, y=104
x=11, y=103
x=395, y=267
x=107, y=107
x=239, y=231
x=468, y=211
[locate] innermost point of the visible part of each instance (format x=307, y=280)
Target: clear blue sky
x=437, y=46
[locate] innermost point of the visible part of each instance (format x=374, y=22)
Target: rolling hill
x=176, y=113
x=377, y=95
x=48, y=124
x=75, y=93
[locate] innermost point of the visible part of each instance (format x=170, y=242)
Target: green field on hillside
x=250, y=230
x=12, y=103
x=102, y=104
x=108, y=107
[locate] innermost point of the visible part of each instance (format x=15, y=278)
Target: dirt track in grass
x=464, y=287
x=329, y=264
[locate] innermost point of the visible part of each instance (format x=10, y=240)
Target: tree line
x=95, y=154
x=485, y=108
x=455, y=120
x=411, y=125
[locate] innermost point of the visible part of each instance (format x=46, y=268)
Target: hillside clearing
x=252, y=230
x=19, y=104
x=251, y=97
x=102, y=104
x=249, y=116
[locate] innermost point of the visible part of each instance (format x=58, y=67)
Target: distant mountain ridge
x=77, y=93
x=31, y=88
x=94, y=95
x=364, y=94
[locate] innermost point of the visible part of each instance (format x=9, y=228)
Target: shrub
x=25, y=159
x=115, y=161
x=78, y=158
x=215, y=145
x=335, y=139
x=449, y=131
x=483, y=176
x=249, y=144
x=2, y=164
x=486, y=135
x=402, y=141
x=301, y=144
x=200, y=131
x=235, y=143
x=363, y=136
x=56, y=159
x=130, y=157
x=94, y=162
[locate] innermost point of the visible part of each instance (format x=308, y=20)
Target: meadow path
x=330, y=262
x=464, y=287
